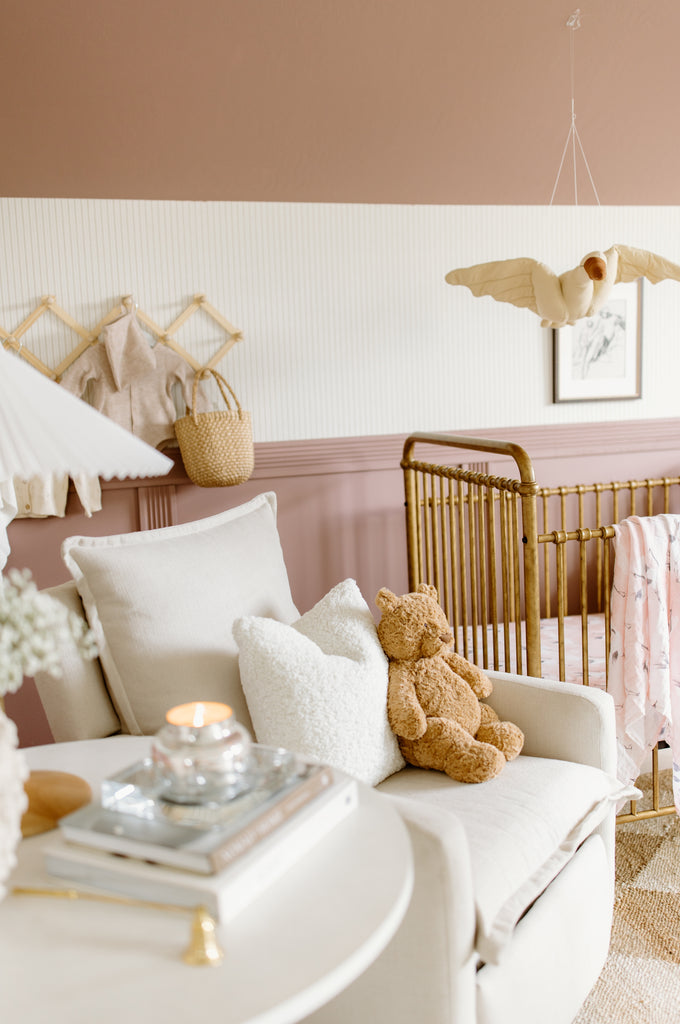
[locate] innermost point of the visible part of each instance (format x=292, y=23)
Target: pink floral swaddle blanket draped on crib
x=644, y=658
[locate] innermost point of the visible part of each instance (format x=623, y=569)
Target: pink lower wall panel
x=334, y=523
x=340, y=509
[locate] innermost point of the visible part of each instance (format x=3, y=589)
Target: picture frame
x=599, y=358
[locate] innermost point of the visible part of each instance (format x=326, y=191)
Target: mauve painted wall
x=371, y=101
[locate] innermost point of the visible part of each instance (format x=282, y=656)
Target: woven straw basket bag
x=217, y=447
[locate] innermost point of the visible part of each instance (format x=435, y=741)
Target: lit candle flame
x=198, y=713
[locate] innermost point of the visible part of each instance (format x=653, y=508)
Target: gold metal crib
x=523, y=572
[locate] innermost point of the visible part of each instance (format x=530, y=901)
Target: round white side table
x=306, y=938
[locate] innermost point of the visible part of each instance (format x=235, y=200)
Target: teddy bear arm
x=404, y=713
x=488, y=714
x=473, y=675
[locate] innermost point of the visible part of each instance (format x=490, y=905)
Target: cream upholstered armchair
x=511, y=912
x=464, y=843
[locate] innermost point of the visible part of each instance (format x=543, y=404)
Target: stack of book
x=133, y=843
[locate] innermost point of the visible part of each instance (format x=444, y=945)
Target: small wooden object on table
x=51, y=795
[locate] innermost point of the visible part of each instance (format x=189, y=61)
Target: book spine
x=281, y=853
x=271, y=819
x=100, y=870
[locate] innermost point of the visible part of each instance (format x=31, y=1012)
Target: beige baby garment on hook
x=131, y=382
x=43, y=496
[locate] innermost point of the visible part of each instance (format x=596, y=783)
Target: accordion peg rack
x=88, y=336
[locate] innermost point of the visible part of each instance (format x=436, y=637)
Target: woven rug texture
x=640, y=982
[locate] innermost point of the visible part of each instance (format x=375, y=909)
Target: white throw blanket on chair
x=644, y=658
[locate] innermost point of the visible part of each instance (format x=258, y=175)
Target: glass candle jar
x=201, y=754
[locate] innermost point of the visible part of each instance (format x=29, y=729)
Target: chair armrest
x=427, y=971
x=443, y=878
x=561, y=720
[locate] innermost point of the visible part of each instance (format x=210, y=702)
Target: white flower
x=13, y=801
x=35, y=630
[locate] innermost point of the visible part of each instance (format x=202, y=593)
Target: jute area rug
x=640, y=982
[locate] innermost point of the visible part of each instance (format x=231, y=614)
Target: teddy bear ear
x=428, y=589
x=386, y=599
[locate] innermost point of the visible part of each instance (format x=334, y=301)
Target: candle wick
x=199, y=715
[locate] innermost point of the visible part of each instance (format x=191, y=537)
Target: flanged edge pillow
x=161, y=604
x=319, y=686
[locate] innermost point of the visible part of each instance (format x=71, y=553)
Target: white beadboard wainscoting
x=348, y=326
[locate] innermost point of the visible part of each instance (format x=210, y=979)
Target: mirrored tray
x=138, y=790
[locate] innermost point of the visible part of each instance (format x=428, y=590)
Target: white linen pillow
x=162, y=603
x=319, y=687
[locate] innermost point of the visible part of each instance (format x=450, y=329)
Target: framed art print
x=600, y=357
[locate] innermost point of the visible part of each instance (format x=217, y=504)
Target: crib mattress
x=550, y=660
x=573, y=647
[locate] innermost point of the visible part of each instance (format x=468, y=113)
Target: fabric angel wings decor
x=564, y=299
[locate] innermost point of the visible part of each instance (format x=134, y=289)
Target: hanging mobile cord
x=573, y=22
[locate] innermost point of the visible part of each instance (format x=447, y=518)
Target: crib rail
x=465, y=531
x=518, y=566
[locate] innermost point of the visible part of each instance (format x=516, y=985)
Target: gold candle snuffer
x=203, y=950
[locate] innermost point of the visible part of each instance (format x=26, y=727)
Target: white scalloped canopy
x=45, y=429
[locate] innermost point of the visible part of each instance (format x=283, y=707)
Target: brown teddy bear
x=433, y=703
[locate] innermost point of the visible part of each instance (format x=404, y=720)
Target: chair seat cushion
x=522, y=828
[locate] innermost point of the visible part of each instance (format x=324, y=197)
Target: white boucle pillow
x=319, y=687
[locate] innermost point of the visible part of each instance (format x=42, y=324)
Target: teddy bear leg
x=447, y=747
x=506, y=736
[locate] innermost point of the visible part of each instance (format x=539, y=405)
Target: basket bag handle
x=207, y=371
